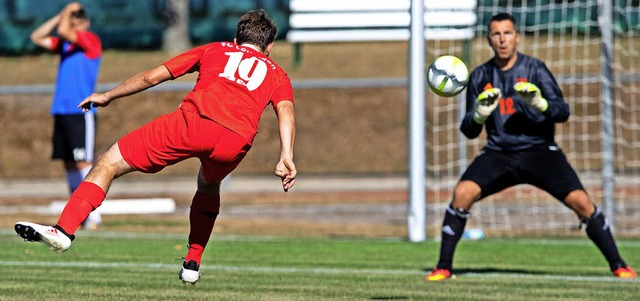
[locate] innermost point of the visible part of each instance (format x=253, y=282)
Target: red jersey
x=235, y=83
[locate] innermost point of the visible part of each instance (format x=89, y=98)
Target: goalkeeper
x=517, y=100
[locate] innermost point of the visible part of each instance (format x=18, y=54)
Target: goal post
x=606, y=108
x=416, y=213
x=430, y=20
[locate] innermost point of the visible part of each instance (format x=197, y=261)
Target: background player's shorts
x=180, y=135
x=74, y=137
x=545, y=167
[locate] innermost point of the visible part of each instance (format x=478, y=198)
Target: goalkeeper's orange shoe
x=438, y=275
x=625, y=273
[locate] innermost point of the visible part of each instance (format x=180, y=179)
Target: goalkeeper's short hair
x=502, y=17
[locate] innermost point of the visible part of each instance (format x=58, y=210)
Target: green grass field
x=129, y=266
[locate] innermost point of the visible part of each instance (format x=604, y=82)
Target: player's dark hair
x=79, y=14
x=502, y=17
x=256, y=28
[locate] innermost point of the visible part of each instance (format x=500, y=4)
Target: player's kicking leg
x=87, y=197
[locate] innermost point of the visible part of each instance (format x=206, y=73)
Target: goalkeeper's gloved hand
x=486, y=102
x=530, y=94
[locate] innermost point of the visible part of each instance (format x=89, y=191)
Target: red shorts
x=180, y=135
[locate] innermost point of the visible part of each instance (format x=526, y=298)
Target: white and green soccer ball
x=447, y=76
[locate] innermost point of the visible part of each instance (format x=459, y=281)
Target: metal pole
x=416, y=215
x=606, y=107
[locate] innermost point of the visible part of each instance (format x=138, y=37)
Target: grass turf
x=124, y=266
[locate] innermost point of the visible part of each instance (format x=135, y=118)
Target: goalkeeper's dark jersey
x=514, y=125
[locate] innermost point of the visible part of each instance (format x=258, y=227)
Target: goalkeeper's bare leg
x=598, y=231
x=467, y=192
x=455, y=219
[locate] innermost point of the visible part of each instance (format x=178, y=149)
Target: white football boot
x=52, y=237
x=190, y=272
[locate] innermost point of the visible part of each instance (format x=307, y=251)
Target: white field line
x=183, y=236
x=136, y=235
x=173, y=236
x=334, y=271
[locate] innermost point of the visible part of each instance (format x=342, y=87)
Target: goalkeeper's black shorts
x=546, y=168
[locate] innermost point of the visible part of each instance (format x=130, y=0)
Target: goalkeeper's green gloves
x=486, y=103
x=530, y=94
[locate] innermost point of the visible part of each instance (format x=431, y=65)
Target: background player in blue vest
x=518, y=102
x=80, y=52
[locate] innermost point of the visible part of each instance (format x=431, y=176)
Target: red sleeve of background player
x=186, y=62
x=90, y=43
x=283, y=91
x=55, y=44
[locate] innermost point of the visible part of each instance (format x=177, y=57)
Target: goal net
x=566, y=36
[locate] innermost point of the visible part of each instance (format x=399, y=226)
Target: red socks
x=87, y=197
x=202, y=217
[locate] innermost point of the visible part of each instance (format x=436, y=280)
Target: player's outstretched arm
x=41, y=36
x=139, y=82
x=286, y=169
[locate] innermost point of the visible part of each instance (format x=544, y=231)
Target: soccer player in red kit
x=216, y=122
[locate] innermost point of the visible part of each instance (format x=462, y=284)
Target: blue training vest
x=77, y=76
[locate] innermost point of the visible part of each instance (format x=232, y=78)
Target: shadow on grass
x=492, y=271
